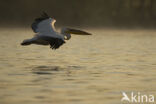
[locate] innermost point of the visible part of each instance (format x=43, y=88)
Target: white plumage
x=46, y=33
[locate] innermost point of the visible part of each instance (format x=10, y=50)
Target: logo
x=137, y=98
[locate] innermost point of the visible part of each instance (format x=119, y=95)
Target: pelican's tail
x=27, y=42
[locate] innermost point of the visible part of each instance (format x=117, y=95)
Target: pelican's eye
x=65, y=37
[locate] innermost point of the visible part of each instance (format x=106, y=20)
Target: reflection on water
x=41, y=70
x=86, y=70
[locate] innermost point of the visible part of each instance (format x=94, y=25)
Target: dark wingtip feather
x=56, y=43
x=43, y=16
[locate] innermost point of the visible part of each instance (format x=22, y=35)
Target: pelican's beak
x=75, y=31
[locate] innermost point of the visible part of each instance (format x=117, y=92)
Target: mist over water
x=85, y=70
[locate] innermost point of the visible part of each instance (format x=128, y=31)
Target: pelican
x=46, y=34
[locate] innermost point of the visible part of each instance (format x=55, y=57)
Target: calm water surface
x=86, y=70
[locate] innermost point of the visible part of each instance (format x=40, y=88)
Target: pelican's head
x=67, y=31
x=66, y=35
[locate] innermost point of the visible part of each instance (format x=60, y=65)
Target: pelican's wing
x=76, y=31
x=43, y=24
x=44, y=27
x=55, y=43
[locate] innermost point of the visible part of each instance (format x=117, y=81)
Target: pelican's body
x=46, y=33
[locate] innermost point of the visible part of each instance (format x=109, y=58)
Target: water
x=86, y=70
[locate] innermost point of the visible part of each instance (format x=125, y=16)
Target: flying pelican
x=46, y=33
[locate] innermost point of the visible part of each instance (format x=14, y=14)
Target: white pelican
x=47, y=35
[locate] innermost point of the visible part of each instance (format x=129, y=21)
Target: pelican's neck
x=66, y=35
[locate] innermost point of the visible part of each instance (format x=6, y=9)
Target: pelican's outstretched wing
x=43, y=24
x=46, y=34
